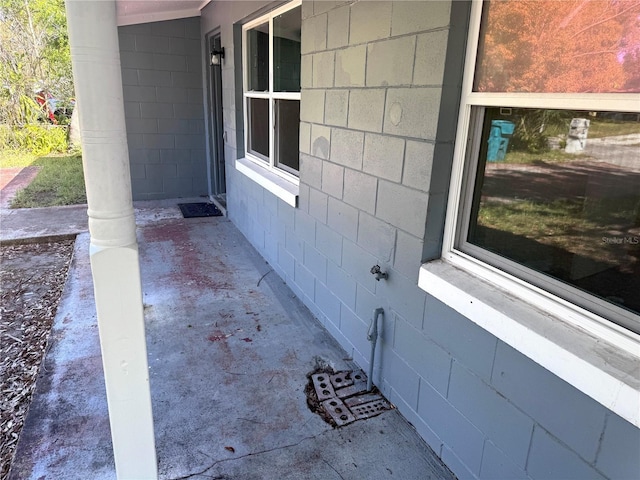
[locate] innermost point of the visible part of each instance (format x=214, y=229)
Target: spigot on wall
x=379, y=274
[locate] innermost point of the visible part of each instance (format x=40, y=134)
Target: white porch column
x=95, y=54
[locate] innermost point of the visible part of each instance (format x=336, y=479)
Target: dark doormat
x=192, y=210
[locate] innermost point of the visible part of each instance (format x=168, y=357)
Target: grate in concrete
x=323, y=387
x=343, y=397
x=338, y=411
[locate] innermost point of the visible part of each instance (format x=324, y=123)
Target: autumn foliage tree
x=560, y=46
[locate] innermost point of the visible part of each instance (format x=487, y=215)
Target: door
x=216, y=127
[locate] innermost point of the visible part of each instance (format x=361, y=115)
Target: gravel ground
x=32, y=278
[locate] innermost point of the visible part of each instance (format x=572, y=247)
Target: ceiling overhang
x=132, y=12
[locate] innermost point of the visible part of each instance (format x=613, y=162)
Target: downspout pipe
x=372, y=336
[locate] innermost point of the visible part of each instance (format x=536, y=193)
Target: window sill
x=282, y=188
x=605, y=370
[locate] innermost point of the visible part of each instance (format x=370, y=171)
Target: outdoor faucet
x=375, y=270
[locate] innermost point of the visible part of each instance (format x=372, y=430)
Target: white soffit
x=131, y=12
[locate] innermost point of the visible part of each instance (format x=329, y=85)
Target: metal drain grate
x=344, y=396
x=338, y=411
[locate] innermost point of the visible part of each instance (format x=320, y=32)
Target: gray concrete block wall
x=162, y=84
x=376, y=152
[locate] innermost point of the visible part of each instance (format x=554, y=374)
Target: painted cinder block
x=343, y=219
x=312, y=106
x=156, y=110
x=549, y=458
x=418, y=162
x=152, y=44
x=311, y=170
x=408, y=299
x=173, y=95
x=366, y=109
x=328, y=304
x=360, y=190
x=377, y=237
x=408, y=255
x=357, y=262
x=619, y=455
x=430, y=361
x=383, y=156
x=469, y=344
x=390, y=62
x=350, y=67
x=401, y=377
x=154, y=140
x=305, y=227
x=314, y=34
x=323, y=68
x=402, y=207
x=431, y=51
x=335, y=107
x=305, y=279
x=412, y=112
x=320, y=141
x=509, y=428
x=187, y=110
x=186, y=79
x=495, y=465
x=133, y=93
x=136, y=60
x=557, y=406
x=316, y=262
x=354, y=329
x=318, y=205
x=142, y=125
x=409, y=17
x=305, y=137
x=171, y=125
x=329, y=243
x=458, y=433
x=176, y=63
x=347, y=148
x=154, y=78
x=341, y=284
x=332, y=179
x=369, y=21
x=129, y=76
x=338, y=27
x=169, y=29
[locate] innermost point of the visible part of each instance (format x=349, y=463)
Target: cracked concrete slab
x=229, y=350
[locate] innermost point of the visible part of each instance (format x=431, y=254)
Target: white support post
x=95, y=55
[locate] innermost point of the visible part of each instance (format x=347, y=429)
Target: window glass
x=558, y=191
x=258, y=58
x=259, y=126
x=286, y=51
x=288, y=134
x=562, y=47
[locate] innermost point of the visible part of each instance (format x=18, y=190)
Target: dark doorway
x=216, y=126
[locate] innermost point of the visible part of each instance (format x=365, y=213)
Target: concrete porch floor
x=229, y=349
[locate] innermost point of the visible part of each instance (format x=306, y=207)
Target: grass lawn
x=59, y=182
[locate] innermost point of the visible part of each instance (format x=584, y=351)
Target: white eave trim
x=599, y=369
x=157, y=17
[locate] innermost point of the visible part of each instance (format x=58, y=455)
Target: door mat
x=193, y=210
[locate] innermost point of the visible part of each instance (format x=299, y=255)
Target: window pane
x=552, y=46
x=286, y=51
x=258, y=58
x=559, y=192
x=288, y=135
x=259, y=126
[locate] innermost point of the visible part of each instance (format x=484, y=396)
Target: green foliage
x=535, y=126
x=41, y=139
x=59, y=182
x=34, y=56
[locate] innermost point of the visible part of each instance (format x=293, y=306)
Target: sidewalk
x=229, y=349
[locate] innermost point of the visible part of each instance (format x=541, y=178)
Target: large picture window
x=548, y=182
x=272, y=89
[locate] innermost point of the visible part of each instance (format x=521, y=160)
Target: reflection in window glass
x=259, y=126
x=552, y=46
x=559, y=192
x=288, y=135
x=258, y=58
x=286, y=51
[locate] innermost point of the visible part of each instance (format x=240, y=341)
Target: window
x=546, y=189
x=272, y=90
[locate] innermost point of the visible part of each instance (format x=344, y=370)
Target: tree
x=569, y=46
x=34, y=57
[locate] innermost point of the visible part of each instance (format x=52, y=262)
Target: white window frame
x=562, y=337
x=279, y=181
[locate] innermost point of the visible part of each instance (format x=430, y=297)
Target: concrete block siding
x=376, y=147
x=162, y=84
